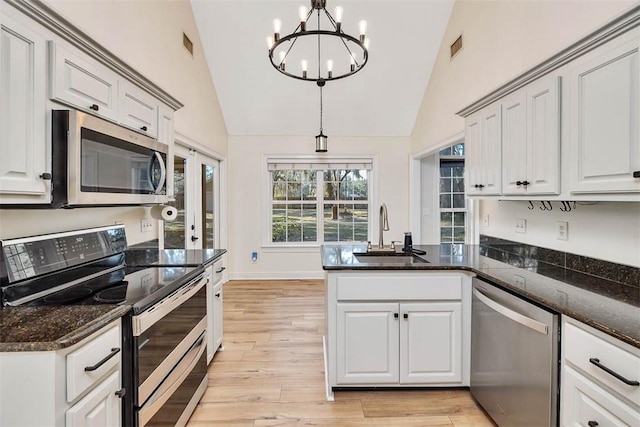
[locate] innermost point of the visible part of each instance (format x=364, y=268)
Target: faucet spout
x=384, y=223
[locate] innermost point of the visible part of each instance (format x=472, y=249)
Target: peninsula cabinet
x=75, y=386
x=399, y=328
x=25, y=171
x=215, y=280
x=605, y=118
x=600, y=379
x=484, y=154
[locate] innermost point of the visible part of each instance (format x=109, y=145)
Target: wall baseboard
x=277, y=275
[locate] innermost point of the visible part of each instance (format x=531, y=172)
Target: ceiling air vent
x=456, y=46
x=188, y=44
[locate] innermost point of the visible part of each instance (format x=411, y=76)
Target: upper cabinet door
x=543, y=136
x=604, y=129
x=473, y=158
x=137, y=110
x=24, y=168
x=491, y=127
x=83, y=82
x=514, y=143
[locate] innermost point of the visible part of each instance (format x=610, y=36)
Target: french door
x=196, y=188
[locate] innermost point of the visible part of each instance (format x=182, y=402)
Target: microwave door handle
x=163, y=172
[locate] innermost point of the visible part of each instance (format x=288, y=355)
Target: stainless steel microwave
x=99, y=163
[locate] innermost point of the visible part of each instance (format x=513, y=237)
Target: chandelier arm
x=331, y=20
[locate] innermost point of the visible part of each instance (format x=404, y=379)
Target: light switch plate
x=521, y=225
x=146, y=225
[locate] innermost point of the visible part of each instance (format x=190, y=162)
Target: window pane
x=457, y=150
x=445, y=234
x=310, y=232
x=294, y=191
x=279, y=190
x=174, y=231
x=331, y=191
x=360, y=190
x=458, y=185
x=345, y=232
x=445, y=201
x=346, y=192
x=445, y=171
x=458, y=201
x=445, y=219
x=294, y=231
x=360, y=232
x=361, y=213
x=445, y=152
x=309, y=191
x=445, y=185
x=458, y=219
x=458, y=234
x=457, y=171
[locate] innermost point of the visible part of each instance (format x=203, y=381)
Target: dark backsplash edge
x=525, y=255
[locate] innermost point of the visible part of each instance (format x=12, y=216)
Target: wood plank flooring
x=271, y=372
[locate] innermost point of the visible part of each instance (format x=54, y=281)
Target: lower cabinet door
x=217, y=316
x=431, y=343
x=585, y=404
x=101, y=407
x=367, y=343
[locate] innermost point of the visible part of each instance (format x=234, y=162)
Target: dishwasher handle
x=515, y=316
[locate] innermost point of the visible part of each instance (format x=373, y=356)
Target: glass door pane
x=175, y=231
x=208, y=206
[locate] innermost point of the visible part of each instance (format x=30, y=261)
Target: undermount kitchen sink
x=389, y=258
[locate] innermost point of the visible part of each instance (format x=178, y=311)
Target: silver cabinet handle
x=515, y=316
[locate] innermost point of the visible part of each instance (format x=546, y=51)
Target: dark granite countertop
x=52, y=328
x=609, y=306
x=171, y=257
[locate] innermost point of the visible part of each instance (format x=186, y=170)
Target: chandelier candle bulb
x=304, y=68
x=330, y=68
x=363, y=30
x=270, y=42
x=277, y=26
x=353, y=62
x=338, y=12
x=366, y=43
x=303, y=12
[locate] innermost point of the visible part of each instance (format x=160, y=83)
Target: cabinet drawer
x=585, y=402
x=83, y=83
x=399, y=288
x=90, y=355
x=218, y=271
x=581, y=346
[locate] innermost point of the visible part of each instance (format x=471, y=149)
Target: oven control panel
x=32, y=256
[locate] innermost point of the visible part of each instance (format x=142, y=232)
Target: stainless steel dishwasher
x=514, y=358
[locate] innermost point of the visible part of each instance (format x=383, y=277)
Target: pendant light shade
x=321, y=143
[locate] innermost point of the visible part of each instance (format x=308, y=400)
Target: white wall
x=248, y=199
x=501, y=40
x=608, y=231
x=147, y=35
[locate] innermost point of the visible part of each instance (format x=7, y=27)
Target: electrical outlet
x=146, y=225
x=254, y=256
x=519, y=280
x=562, y=231
x=521, y=225
x=485, y=220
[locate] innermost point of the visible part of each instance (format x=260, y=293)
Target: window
x=322, y=202
x=453, y=210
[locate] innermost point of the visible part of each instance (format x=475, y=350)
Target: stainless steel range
x=164, y=340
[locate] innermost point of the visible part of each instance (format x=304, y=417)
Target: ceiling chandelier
x=350, y=53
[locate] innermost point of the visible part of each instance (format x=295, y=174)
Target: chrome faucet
x=384, y=223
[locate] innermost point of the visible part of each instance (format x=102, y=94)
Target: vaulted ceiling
x=382, y=99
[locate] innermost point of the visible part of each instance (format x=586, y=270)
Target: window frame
x=320, y=202
x=466, y=210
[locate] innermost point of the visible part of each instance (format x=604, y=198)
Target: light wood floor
x=271, y=372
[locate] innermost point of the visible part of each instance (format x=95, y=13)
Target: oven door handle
x=146, y=319
x=173, y=381
x=513, y=315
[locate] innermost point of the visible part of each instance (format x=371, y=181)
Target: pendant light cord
x=321, y=110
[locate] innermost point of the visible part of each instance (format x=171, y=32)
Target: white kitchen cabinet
x=215, y=276
x=398, y=328
x=57, y=384
x=399, y=343
x=165, y=124
x=82, y=82
x=531, y=139
x=137, y=109
x=101, y=407
x=25, y=171
x=483, y=136
x=591, y=395
x=605, y=118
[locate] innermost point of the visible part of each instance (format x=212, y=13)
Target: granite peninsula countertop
x=50, y=328
x=608, y=306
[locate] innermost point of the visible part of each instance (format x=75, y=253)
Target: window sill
x=314, y=247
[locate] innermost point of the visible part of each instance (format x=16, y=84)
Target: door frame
x=415, y=192
x=183, y=144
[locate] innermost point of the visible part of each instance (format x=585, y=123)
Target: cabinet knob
x=395, y=315
x=592, y=424
x=405, y=316
x=636, y=174
x=194, y=238
x=144, y=128
x=120, y=393
x=46, y=176
x=480, y=186
x=218, y=295
x=94, y=107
